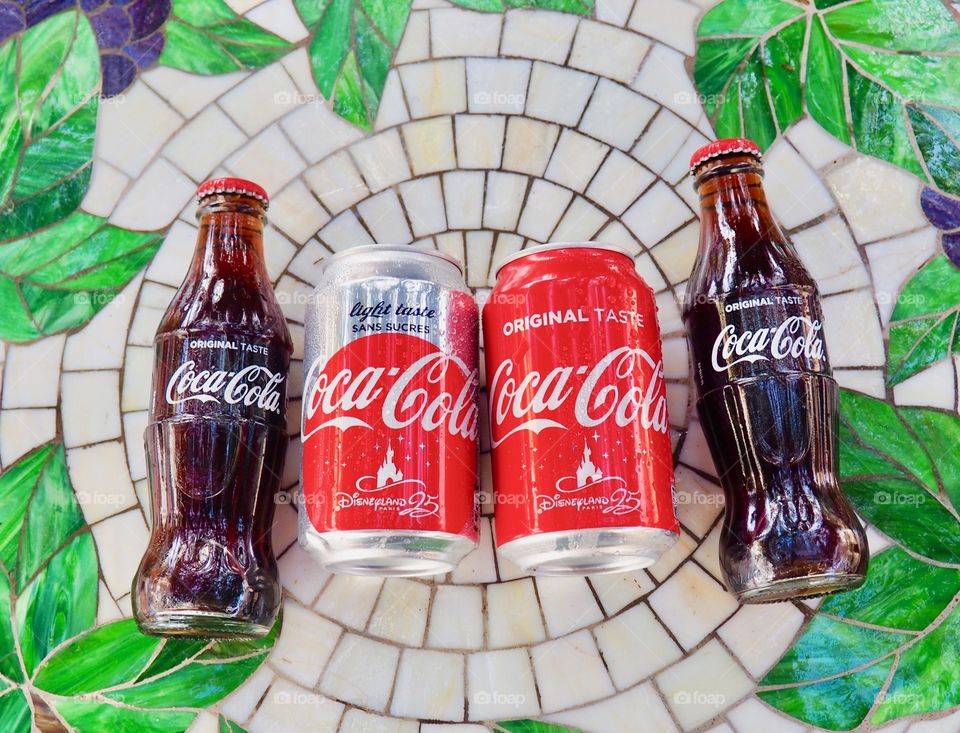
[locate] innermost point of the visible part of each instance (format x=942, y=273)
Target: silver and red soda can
x=582, y=459
x=390, y=414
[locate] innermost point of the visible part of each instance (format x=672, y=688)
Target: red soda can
x=582, y=458
x=390, y=415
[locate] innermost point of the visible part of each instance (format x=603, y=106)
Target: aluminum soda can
x=582, y=458
x=390, y=415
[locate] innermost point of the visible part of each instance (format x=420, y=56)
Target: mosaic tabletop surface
x=477, y=127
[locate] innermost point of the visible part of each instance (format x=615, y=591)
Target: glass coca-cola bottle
x=216, y=438
x=767, y=398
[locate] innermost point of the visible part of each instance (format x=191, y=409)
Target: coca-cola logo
x=624, y=386
x=254, y=385
x=393, y=396
x=797, y=337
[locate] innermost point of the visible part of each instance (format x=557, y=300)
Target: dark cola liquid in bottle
x=767, y=398
x=217, y=436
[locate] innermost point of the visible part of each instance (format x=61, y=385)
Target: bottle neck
x=230, y=240
x=733, y=205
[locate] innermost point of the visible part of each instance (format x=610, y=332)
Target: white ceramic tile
x=280, y=17
x=172, y=260
x=869, y=381
x=393, y=106
x=663, y=77
x=935, y=386
x=673, y=557
x=616, y=233
x=581, y=222
x=831, y=256
x=344, y=231
x=264, y=97
x=292, y=295
x=349, y=599
x=692, y=604
x=752, y=714
x=361, y=672
x=795, y=191
x=670, y=21
x=479, y=140
x=456, y=618
x=270, y=159
x=241, y=703
x=878, y=199
x=415, y=44
x=568, y=604
x=23, y=430
x=660, y=141
x=429, y=685
x=435, y=87
x=189, y=93
x=618, y=590
x=133, y=127
x=305, y=644
x=528, y=145
x=336, y=182
x=383, y=217
x=819, y=147
x=101, y=480
x=317, y=131
x=617, y=115
x=893, y=261
x=699, y=501
x=657, y=213
x=853, y=332
x=134, y=425
x=121, y=541
x=451, y=243
x=542, y=210
x=500, y=686
x=289, y=708
x=204, y=723
x=300, y=575
x=297, y=65
x=607, y=51
x=381, y=160
x=513, y=614
x=155, y=199
x=401, y=612
x=463, y=197
x=453, y=728
x=575, y=159
x=497, y=85
x=423, y=200
x=639, y=710
x=943, y=725
x=358, y=721
x=618, y=182
x=678, y=170
x=570, y=672
x=30, y=378
x=505, y=194
x=204, y=142
x=558, y=94
x=757, y=634
x=88, y=407
x=456, y=32
x=507, y=244
x=478, y=566
x=296, y=212
x=703, y=685
x=429, y=145
x=106, y=186
x=615, y=12
x=676, y=254
x=538, y=34
x=635, y=645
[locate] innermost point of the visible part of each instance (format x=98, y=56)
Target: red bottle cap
x=726, y=146
x=232, y=185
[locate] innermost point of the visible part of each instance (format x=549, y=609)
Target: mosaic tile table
x=477, y=127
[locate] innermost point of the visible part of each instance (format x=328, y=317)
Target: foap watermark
x=89, y=498
x=298, y=697
x=697, y=498
x=499, y=98
x=697, y=98
x=96, y=298
x=894, y=498
x=297, y=97
x=496, y=697
x=697, y=697
x=493, y=498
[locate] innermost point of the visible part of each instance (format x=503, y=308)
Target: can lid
x=397, y=249
x=725, y=146
x=232, y=185
x=538, y=248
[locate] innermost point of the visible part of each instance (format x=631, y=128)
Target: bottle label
x=741, y=337
x=203, y=374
